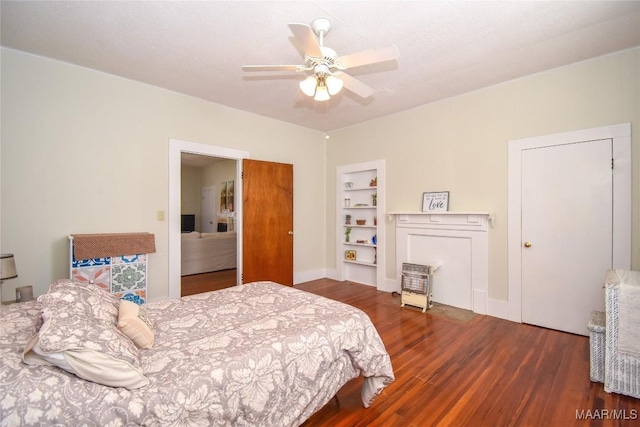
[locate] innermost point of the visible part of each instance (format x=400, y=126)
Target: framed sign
x=350, y=255
x=435, y=202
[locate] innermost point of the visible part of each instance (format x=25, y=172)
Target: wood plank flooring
x=205, y=282
x=485, y=372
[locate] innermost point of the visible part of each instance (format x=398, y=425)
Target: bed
x=259, y=354
x=207, y=252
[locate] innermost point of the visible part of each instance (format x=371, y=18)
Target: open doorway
x=204, y=153
x=208, y=240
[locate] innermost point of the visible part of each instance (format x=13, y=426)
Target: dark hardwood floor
x=482, y=372
x=198, y=283
x=485, y=372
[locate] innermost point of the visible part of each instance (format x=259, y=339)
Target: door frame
x=176, y=147
x=621, y=150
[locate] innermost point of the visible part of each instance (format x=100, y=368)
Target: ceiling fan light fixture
x=322, y=94
x=334, y=84
x=308, y=85
x=325, y=66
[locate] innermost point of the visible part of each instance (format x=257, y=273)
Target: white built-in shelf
x=358, y=199
x=369, y=245
x=368, y=264
x=360, y=188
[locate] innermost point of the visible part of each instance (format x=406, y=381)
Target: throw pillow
x=134, y=322
x=89, y=299
x=79, y=335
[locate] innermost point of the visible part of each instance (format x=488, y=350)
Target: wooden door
x=267, y=227
x=567, y=233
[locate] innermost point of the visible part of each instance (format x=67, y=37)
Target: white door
x=567, y=233
x=208, y=221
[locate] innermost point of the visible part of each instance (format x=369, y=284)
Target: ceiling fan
x=327, y=76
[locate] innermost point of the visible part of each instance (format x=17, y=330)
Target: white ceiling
x=197, y=48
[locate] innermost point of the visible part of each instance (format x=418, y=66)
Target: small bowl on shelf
x=361, y=221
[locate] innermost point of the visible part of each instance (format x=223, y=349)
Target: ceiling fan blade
x=370, y=56
x=307, y=39
x=273, y=68
x=355, y=85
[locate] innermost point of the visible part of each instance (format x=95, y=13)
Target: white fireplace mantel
x=464, y=220
x=458, y=243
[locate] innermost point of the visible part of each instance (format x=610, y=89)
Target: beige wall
x=190, y=185
x=195, y=178
x=460, y=145
x=219, y=172
x=87, y=152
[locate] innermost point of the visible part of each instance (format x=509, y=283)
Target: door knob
x=290, y=233
x=527, y=244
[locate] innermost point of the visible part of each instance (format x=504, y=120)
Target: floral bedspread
x=260, y=354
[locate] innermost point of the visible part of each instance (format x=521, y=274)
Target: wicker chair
x=622, y=369
x=597, y=327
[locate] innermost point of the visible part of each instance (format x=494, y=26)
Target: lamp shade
x=7, y=267
x=308, y=85
x=334, y=84
x=322, y=94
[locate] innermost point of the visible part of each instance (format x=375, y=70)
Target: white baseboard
x=498, y=308
x=333, y=274
x=479, y=301
x=309, y=275
x=389, y=285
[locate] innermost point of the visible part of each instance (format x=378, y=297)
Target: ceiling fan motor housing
x=320, y=26
x=328, y=59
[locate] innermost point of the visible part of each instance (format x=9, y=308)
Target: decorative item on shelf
x=347, y=203
x=435, y=201
x=375, y=255
x=374, y=182
x=364, y=242
x=374, y=199
x=7, y=270
x=374, y=239
x=350, y=255
x=348, y=185
x=375, y=220
x=361, y=221
x=361, y=205
x=347, y=219
x=347, y=232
